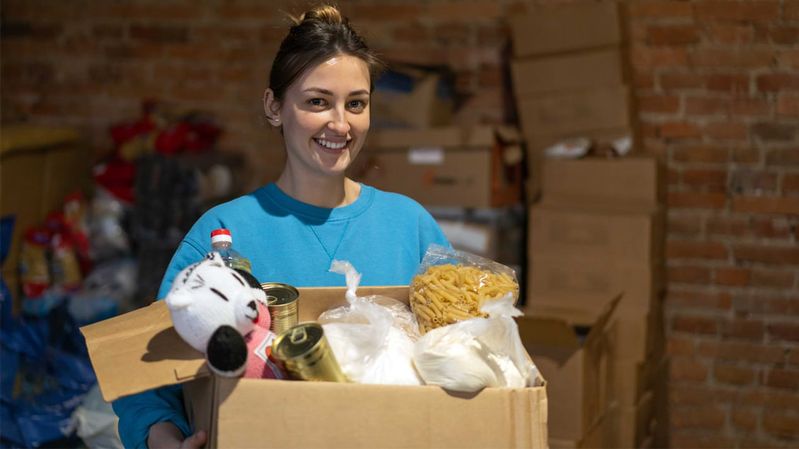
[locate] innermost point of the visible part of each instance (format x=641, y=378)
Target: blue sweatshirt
x=384, y=235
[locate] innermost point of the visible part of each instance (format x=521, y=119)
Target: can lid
x=221, y=235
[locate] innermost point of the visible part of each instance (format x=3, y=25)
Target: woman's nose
x=339, y=123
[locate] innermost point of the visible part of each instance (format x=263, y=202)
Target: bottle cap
x=221, y=235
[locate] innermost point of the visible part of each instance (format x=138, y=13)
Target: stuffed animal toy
x=221, y=312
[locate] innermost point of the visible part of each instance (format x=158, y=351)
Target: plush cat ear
x=178, y=299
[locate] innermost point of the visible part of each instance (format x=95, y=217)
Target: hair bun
x=323, y=13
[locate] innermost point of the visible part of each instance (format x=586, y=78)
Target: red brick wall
x=718, y=90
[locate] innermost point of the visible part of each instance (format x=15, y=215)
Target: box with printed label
x=450, y=166
x=308, y=414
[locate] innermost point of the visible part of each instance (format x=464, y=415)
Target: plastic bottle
x=222, y=242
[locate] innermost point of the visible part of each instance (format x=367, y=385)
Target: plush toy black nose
x=227, y=352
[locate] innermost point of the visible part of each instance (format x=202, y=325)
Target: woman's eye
x=318, y=102
x=357, y=105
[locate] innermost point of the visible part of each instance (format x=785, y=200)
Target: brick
x=659, y=103
x=644, y=81
x=698, y=300
x=783, y=378
x=696, y=200
x=734, y=277
x=767, y=305
x=672, y=35
x=44, y=31
x=766, y=204
x=699, y=394
x=687, y=249
x=740, y=329
x=747, y=155
x=774, y=132
x=766, y=254
x=781, y=424
x=733, y=374
x=727, y=131
x=688, y=275
x=784, y=35
x=784, y=331
x=148, y=11
x=463, y=10
x=661, y=9
x=690, y=439
x=675, y=81
x=108, y=32
x=709, y=417
x=751, y=181
x=690, y=225
x=731, y=58
x=788, y=105
x=793, y=359
x=737, y=10
x=744, y=419
x=790, y=10
x=451, y=33
x=706, y=105
x=732, y=83
x=777, y=399
x=701, y=153
x=695, y=324
x=783, y=157
x=682, y=369
x=772, y=279
x=679, y=346
x=162, y=34
x=412, y=33
x=658, y=57
x=777, y=82
x=740, y=351
x=726, y=33
x=790, y=183
x=712, y=180
x=788, y=58
x=678, y=130
x=750, y=107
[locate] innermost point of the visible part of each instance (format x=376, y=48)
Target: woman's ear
x=271, y=107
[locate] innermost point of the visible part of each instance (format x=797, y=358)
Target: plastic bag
x=96, y=422
x=372, y=337
x=452, y=285
x=476, y=353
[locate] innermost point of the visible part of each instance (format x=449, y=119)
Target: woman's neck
x=328, y=192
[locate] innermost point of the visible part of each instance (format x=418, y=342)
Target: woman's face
x=325, y=115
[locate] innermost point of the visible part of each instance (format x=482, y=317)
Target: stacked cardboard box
x=570, y=77
x=597, y=234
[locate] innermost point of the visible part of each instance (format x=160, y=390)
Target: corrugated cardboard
x=575, y=111
x=632, y=236
x=576, y=369
x=622, y=427
x=450, y=166
x=631, y=182
x=38, y=167
x=597, y=68
x=566, y=27
x=287, y=414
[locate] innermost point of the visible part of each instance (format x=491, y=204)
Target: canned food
x=305, y=354
x=282, y=301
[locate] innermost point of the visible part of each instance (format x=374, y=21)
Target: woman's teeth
x=331, y=145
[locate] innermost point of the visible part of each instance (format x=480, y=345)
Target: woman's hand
x=165, y=435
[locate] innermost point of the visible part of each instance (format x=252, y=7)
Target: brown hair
x=316, y=36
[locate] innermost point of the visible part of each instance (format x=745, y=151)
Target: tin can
x=282, y=301
x=305, y=354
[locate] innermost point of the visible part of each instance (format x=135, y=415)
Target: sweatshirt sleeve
x=140, y=411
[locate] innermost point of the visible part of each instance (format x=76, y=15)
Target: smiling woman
x=291, y=230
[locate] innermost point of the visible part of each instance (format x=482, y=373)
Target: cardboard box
x=622, y=427
x=632, y=182
x=408, y=98
x=576, y=369
x=566, y=27
x=309, y=414
x=576, y=111
x=38, y=167
x=450, y=166
x=631, y=236
x=598, y=68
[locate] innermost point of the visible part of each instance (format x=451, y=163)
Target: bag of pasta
x=452, y=286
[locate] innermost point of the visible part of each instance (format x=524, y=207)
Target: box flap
x=548, y=331
x=145, y=343
x=139, y=351
x=450, y=136
x=604, y=317
x=29, y=137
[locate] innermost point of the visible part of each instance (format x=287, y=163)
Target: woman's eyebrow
x=327, y=92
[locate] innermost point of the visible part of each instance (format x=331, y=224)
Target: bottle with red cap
x=222, y=242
